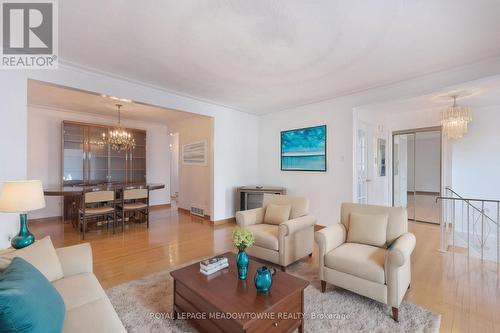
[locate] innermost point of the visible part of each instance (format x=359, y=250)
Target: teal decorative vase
x=264, y=279
x=24, y=237
x=242, y=264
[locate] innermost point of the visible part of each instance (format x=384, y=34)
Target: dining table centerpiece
x=242, y=238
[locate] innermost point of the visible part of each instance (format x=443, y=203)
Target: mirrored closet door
x=416, y=172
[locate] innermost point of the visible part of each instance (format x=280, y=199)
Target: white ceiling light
x=455, y=120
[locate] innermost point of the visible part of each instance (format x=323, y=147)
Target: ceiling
x=57, y=97
x=261, y=56
x=475, y=94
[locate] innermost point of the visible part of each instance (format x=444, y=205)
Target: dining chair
x=134, y=201
x=97, y=203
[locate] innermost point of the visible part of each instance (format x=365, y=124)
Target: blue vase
x=242, y=264
x=264, y=279
x=24, y=237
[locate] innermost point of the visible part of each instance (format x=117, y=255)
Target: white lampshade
x=21, y=196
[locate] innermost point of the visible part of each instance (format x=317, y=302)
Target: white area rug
x=145, y=305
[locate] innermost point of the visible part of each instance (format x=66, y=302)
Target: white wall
x=236, y=159
x=44, y=152
x=325, y=190
x=195, y=180
x=13, y=138
x=476, y=157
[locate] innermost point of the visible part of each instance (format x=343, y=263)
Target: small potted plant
x=242, y=238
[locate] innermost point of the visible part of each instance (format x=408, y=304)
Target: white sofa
x=382, y=273
x=282, y=243
x=88, y=308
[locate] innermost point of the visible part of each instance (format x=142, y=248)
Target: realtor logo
x=29, y=34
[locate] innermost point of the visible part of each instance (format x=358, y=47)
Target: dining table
x=72, y=194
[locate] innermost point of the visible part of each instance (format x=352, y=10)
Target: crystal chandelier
x=455, y=120
x=118, y=138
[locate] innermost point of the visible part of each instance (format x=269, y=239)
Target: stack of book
x=213, y=265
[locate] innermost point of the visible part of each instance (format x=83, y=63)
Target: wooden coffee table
x=223, y=303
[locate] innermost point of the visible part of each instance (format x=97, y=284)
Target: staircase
x=472, y=224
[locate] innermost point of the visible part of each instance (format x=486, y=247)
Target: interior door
x=417, y=173
x=427, y=176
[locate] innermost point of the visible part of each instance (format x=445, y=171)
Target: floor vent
x=197, y=211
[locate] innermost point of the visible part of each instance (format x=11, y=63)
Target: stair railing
x=478, y=228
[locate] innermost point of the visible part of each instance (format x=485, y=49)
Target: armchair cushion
x=266, y=235
x=367, y=229
x=276, y=214
x=397, y=222
x=299, y=205
x=360, y=260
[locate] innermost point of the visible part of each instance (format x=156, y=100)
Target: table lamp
x=21, y=197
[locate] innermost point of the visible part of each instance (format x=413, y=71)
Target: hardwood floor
x=465, y=292
x=172, y=239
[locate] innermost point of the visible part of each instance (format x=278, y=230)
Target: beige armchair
x=381, y=272
x=284, y=242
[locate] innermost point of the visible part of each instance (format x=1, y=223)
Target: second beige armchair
x=368, y=253
x=283, y=229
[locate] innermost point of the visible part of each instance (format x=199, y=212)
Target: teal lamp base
x=24, y=237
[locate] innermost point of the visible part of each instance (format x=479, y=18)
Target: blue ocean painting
x=304, y=149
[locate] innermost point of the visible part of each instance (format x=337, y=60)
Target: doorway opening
x=417, y=172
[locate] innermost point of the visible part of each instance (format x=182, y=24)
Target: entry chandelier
x=118, y=138
x=455, y=120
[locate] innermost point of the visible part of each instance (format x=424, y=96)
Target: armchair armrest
x=292, y=226
x=400, y=251
x=250, y=217
x=329, y=238
x=75, y=259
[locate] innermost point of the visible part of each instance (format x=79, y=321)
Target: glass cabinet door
x=73, y=154
x=137, y=159
x=97, y=156
x=117, y=165
x=87, y=159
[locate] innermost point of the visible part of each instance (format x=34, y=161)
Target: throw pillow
x=368, y=229
x=40, y=254
x=277, y=214
x=28, y=301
